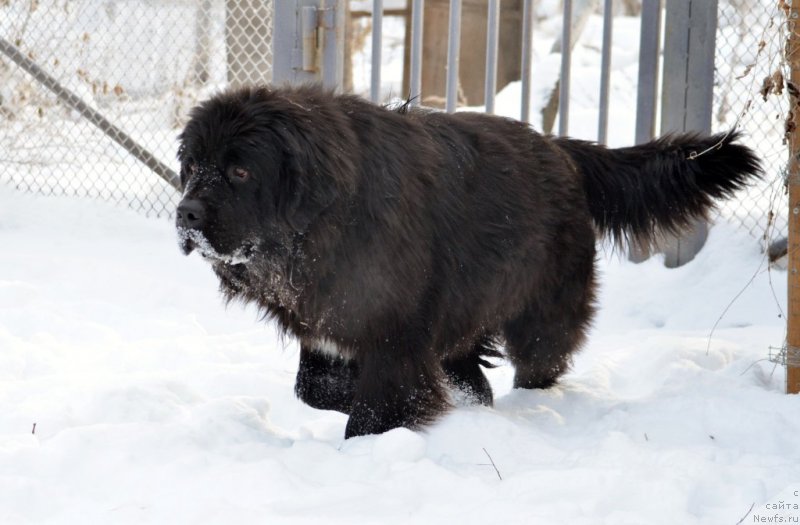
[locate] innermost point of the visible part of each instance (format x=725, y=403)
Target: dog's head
x=258, y=166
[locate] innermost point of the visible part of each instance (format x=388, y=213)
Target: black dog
x=401, y=247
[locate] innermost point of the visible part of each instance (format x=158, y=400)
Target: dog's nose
x=190, y=214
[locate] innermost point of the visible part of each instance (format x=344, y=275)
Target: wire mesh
x=750, y=46
x=142, y=64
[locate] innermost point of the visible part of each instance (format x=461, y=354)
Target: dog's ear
x=311, y=194
x=317, y=154
x=306, y=189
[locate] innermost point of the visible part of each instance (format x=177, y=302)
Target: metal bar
x=283, y=42
x=333, y=22
x=453, y=52
x=700, y=68
x=377, y=35
x=675, y=86
x=415, y=83
x=566, y=62
x=492, y=27
x=793, y=181
x=527, y=58
x=649, y=39
x=74, y=101
x=308, y=36
x=605, y=71
x=687, y=97
x=689, y=50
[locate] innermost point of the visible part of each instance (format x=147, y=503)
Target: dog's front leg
x=400, y=384
x=327, y=382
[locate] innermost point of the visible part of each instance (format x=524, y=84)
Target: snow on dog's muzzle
x=190, y=217
x=190, y=239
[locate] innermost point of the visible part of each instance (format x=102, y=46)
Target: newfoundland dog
x=404, y=246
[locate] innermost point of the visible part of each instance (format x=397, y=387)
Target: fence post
x=605, y=71
x=793, y=181
x=492, y=28
x=377, y=48
x=566, y=67
x=415, y=58
x=300, y=53
x=453, y=55
x=527, y=59
x=650, y=35
x=649, y=41
x=687, y=96
x=333, y=24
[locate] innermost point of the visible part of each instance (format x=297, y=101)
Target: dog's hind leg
x=324, y=381
x=400, y=384
x=465, y=374
x=542, y=339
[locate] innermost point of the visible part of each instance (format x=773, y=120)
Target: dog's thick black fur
x=401, y=246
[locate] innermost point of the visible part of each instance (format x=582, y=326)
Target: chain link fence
x=750, y=46
x=143, y=63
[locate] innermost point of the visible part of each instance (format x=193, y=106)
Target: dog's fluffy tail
x=662, y=185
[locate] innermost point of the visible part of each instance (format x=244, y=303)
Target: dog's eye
x=238, y=174
x=191, y=167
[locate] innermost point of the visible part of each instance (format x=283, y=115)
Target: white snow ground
x=153, y=403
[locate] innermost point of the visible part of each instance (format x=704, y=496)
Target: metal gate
x=125, y=72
